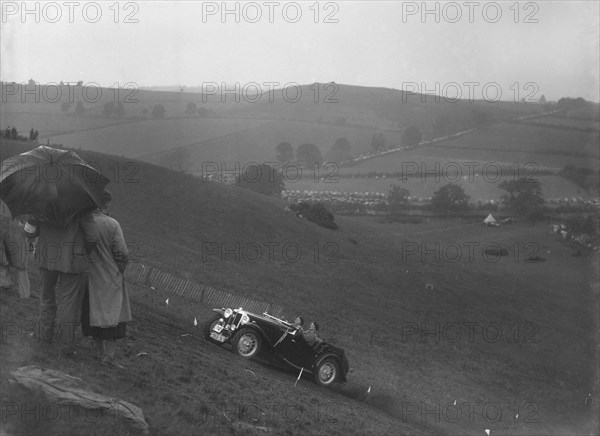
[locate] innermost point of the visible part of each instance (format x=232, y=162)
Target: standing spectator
x=7, y=133
x=35, y=135
x=13, y=252
x=31, y=135
x=13, y=133
x=106, y=308
x=63, y=263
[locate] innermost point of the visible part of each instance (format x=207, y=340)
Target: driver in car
x=298, y=323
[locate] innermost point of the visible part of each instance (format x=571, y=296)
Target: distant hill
x=198, y=129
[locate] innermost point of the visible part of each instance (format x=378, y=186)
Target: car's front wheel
x=246, y=343
x=208, y=328
x=326, y=372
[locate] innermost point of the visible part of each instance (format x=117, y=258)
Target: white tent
x=490, y=220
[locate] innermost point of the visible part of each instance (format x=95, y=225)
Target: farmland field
x=504, y=143
x=146, y=137
x=258, y=144
x=518, y=138
x=52, y=124
x=574, y=123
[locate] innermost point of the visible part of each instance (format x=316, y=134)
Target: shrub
x=317, y=213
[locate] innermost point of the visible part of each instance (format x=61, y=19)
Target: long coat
x=109, y=300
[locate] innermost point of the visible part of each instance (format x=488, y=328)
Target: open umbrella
x=51, y=184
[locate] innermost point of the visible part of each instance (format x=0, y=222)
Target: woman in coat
x=106, y=308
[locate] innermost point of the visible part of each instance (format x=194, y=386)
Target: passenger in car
x=311, y=335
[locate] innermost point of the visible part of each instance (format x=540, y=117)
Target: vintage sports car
x=249, y=334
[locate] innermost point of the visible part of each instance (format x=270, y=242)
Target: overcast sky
x=549, y=48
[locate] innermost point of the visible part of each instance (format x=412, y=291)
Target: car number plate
x=218, y=328
x=217, y=336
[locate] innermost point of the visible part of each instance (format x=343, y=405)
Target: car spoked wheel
x=246, y=343
x=326, y=372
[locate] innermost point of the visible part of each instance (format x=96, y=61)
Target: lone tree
x=340, y=151
x=285, y=152
x=566, y=103
x=308, y=154
x=191, y=108
x=158, y=111
x=263, y=179
x=378, y=142
x=397, y=198
x=524, y=198
x=450, y=197
x=412, y=136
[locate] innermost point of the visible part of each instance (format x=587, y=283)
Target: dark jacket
x=64, y=249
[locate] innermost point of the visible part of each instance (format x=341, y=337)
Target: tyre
x=246, y=343
x=208, y=328
x=327, y=372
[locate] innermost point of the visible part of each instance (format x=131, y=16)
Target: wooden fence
x=160, y=280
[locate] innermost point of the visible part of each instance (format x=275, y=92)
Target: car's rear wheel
x=209, y=328
x=326, y=372
x=246, y=343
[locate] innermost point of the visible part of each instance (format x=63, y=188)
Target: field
x=426, y=315
x=147, y=137
x=567, y=123
x=51, y=124
x=504, y=143
x=258, y=144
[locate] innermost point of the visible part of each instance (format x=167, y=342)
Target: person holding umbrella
x=106, y=308
x=57, y=188
x=63, y=266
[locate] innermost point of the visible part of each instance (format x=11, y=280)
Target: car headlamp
x=228, y=313
x=245, y=319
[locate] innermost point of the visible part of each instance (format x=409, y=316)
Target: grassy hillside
x=370, y=285
x=378, y=107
